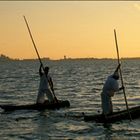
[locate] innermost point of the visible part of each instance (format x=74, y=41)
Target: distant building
x=45, y=58
x=65, y=57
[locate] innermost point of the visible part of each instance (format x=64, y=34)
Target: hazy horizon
x=67, y=58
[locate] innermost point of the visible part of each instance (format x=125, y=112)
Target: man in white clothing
x=110, y=87
x=45, y=80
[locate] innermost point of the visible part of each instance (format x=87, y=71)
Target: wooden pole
x=121, y=75
x=33, y=41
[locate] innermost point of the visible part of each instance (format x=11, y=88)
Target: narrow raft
x=116, y=116
x=46, y=105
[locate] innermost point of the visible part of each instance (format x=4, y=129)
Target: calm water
x=80, y=82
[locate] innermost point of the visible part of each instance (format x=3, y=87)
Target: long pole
x=117, y=48
x=33, y=41
x=39, y=56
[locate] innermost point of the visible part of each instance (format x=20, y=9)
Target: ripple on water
x=80, y=82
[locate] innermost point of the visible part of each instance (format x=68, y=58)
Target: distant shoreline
x=6, y=58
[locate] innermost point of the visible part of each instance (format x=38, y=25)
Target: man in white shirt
x=45, y=80
x=110, y=87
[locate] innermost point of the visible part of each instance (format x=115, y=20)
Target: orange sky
x=76, y=29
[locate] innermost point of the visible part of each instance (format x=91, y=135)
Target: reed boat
x=36, y=106
x=115, y=116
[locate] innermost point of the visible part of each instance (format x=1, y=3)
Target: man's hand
x=121, y=88
x=41, y=65
x=118, y=66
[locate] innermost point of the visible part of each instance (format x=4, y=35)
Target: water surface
x=80, y=82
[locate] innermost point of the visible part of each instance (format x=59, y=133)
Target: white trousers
x=41, y=96
x=107, y=106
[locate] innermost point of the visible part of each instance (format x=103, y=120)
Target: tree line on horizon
x=6, y=58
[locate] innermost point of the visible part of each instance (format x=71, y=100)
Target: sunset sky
x=77, y=29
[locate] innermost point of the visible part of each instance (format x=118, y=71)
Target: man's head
x=46, y=69
x=116, y=75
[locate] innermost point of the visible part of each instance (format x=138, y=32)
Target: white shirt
x=111, y=85
x=44, y=82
